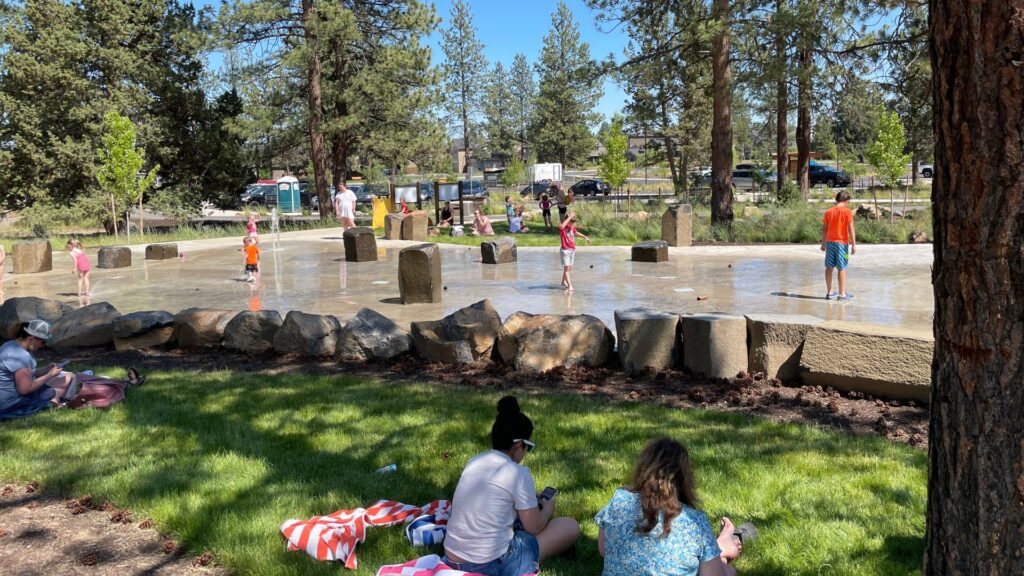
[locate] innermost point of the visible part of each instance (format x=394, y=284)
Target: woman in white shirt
x=499, y=526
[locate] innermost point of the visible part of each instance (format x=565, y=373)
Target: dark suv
x=822, y=174
x=590, y=188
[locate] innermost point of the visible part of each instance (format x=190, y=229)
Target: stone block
x=501, y=250
x=24, y=309
x=882, y=361
x=360, y=244
x=414, y=226
x=114, y=257
x=647, y=339
x=161, y=251
x=201, y=327
x=714, y=344
x=307, y=335
x=776, y=342
x=677, y=225
x=653, y=251
x=32, y=256
x=91, y=325
x=370, y=335
x=419, y=274
x=393, y=226
x=252, y=332
x=539, y=342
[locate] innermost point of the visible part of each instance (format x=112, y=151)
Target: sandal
x=134, y=378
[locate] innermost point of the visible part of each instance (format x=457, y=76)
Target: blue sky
x=507, y=27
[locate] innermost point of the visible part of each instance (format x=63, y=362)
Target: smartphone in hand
x=63, y=363
x=548, y=493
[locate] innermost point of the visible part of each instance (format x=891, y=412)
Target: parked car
x=926, y=170
x=473, y=189
x=261, y=193
x=590, y=187
x=535, y=189
x=750, y=179
x=829, y=176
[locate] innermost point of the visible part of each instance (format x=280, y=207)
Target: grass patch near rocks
x=219, y=459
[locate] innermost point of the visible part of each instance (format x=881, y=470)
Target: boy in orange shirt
x=252, y=258
x=838, y=242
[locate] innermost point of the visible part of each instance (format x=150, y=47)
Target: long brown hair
x=663, y=478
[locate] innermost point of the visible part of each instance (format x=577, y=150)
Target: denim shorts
x=522, y=557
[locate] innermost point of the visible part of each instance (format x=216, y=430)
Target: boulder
x=880, y=360
x=91, y=325
x=647, y=339
x=653, y=251
x=252, y=332
x=752, y=212
x=918, y=237
x=419, y=274
x=195, y=327
x=360, y=244
x=114, y=257
x=24, y=309
x=677, y=225
x=32, y=256
x=307, y=334
x=776, y=342
x=414, y=226
x=464, y=336
x=393, y=226
x=140, y=330
x=872, y=212
x=714, y=344
x=161, y=251
x=501, y=250
x=371, y=336
x=540, y=342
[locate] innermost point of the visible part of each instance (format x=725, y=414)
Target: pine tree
x=570, y=87
x=498, y=110
x=465, y=75
x=524, y=95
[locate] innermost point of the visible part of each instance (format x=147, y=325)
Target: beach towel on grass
x=426, y=566
x=334, y=537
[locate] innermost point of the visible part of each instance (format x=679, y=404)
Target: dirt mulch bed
x=852, y=412
x=40, y=534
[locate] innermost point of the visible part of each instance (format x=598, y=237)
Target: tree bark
x=782, y=110
x=314, y=102
x=976, y=446
x=721, y=126
x=803, y=125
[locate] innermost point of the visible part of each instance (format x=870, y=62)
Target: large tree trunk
x=976, y=445
x=316, y=112
x=782, y=110
x=670, y=149
x=803, y=125
x=721, y=126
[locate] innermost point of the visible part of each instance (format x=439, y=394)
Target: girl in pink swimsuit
x=82, y=265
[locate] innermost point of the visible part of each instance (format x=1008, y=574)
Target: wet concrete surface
x=306, y=271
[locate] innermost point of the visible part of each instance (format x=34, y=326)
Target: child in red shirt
x=567, y=230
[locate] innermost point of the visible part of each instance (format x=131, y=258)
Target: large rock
x=776, y=341
x=371, y=336
x=714, y=344
x=419, y=274
x=647, y=339
x=880, y=360
x=198, y=327
x=653, y=251
x=140, y=330
x=677, y=225
x=32, y=256
x=252, y=332
x=24, y=309
x=114, y=257
x=307, y=334
x=465, y=336
x=537, y=343
x=414, y=226
x=501, y=250
x=360, y=244
x=91, y=325
x=393, y=226
x=161, y=251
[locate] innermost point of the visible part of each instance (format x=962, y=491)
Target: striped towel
x=334, y=537
x=425, y=566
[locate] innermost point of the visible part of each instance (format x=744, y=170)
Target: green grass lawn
x=219, y=460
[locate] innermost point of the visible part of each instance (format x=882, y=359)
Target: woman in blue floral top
x=653, y=526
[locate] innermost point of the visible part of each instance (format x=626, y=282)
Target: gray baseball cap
x=39, y=328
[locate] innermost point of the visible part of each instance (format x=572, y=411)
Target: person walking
x=345, y=206
x=838, y=242
x=250, y=258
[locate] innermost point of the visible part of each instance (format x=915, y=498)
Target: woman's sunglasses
x=529, y=445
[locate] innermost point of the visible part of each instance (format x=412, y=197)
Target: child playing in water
x=251, y=259
x=250, y=226
x=81, y=265
x=838, y=242
x=567, y=229
x=545, y=209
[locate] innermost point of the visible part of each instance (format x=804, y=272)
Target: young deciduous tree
x=465, y=75
x=886, y=150
x=613, y=167
x=120, y=171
